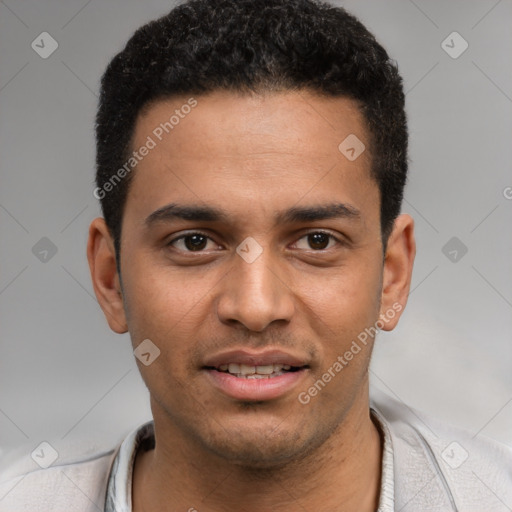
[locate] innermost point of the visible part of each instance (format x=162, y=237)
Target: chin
x=257, y=447
x=260, y=454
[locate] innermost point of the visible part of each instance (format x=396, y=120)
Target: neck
x=342, y=474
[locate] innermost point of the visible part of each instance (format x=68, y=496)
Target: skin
x=253, y=156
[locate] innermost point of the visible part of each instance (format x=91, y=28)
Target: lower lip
x=255, y=389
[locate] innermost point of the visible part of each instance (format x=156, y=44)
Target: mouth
x=247, y=376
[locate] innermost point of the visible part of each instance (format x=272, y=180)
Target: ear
x=398, y=263
x=105, y=278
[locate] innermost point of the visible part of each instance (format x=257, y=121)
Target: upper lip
x=254, y=358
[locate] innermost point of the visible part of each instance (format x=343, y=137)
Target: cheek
x=167, y=315
x=345, y=299
x=162, y=300
x=171, y=309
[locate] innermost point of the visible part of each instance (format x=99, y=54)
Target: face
x=251, y=256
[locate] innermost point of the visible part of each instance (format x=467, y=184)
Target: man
x=251, y=159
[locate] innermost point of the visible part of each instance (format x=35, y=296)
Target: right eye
x=191, y=242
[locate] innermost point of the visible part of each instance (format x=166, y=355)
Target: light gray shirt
x=427, y=466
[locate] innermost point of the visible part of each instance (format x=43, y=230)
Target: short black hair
x=251, y=46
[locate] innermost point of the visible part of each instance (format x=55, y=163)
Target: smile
x=248, y=375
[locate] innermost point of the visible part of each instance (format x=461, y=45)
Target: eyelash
x=330, y=235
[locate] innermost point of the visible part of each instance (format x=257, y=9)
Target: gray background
x=65, y=376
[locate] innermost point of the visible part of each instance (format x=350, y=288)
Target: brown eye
x=316, y=241
x=193, y=242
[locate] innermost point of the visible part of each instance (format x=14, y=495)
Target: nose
x=255, y=294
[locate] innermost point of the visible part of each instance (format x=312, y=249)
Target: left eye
x=317, y=241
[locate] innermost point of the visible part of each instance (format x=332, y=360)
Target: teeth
x=246, y=369
x=266, y=370
x=234, y=368
x=254, y=372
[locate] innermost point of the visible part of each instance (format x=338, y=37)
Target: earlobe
x=398, y=264
x=105, y=278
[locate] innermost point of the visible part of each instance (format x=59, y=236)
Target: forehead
x=260, y=122
x=260, y=149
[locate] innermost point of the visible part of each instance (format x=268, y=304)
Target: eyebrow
x=318, y=212
x=195, y=213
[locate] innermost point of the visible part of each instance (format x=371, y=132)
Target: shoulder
x=74, y=483
x=440, y=466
